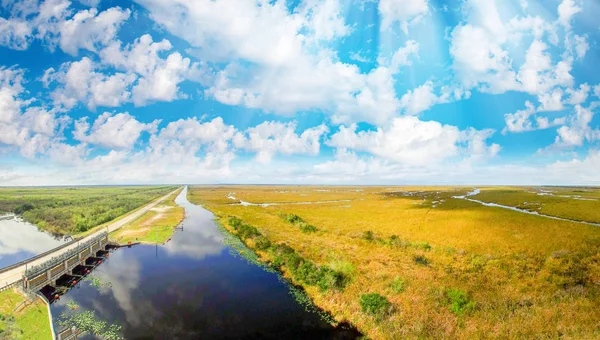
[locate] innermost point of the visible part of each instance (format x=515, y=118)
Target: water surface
x=21, y=240
x=194, y=288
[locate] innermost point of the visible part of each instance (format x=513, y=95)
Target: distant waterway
x=488, y=204
x=20, y=240
x=196, y=287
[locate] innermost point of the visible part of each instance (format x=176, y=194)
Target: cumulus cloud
x=527, y=120
x=116, y=131
x=405, y=12
x=55, y=24
x=402, y=57
x=286, y=66
x=30, y=129
x=411, y=141
x=269, y=138
x=79, y=81
x=159, y=78
x=577, y=129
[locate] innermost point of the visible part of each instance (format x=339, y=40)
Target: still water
x=21, y=240
x=194, y=288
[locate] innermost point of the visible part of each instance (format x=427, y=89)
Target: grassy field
x=417, y=263
x=30, y=322
x=75, y=209
x=155, y=226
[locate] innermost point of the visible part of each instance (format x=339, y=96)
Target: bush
x=23, y=208
x=422, y=245
x=262, y=243
x=307, y=228
x=374, y=304
x=234, y=222
x=398, y=285
x=368, y=235
x=422, y=260
x=459, y=301
x=247, y=231
x=292, y=218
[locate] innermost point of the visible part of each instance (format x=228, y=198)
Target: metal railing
x=54, y=261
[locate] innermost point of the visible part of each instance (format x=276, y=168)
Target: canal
x=195, y=287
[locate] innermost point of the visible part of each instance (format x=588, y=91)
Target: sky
x=388, y=92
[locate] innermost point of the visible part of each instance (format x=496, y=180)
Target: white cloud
x=15, y=33
x=551, y=101
x=89, y=30
x=31, y=130
x=566, y=10
x=484, y=49
x=115, y=131
x=581, y=46
x=420, y=99
x=324, y=18
x=578, y=96
x=287, y=66
x=402, y=57
x=411, y=141
x=270, y=138
x=79, y=82
x=404, y=12
x=56, y=25
x=577, y=129
x=526, y=119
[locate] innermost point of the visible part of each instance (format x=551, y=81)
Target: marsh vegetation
x=448, y=268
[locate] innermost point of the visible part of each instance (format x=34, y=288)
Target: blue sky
x=304, y=91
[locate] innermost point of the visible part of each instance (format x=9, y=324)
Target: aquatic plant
x=97, y=282
x=86, y=321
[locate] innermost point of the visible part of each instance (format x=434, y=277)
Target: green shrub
x=422, y=245
x=459, y=301
x=23, y=208
x=292, y=218
x=247, y=231
x=374, y=304
x=398, y=285
x=368, y=235
x=422, y=260
x=262, y=243
x=307, y=228
x=234, y=222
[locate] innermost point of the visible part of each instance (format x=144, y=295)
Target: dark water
x=194, y=288
x=21, y=240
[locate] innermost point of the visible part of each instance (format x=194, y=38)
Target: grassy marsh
x=155, y=226
x=448, y=267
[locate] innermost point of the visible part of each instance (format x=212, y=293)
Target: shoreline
x=298, y=290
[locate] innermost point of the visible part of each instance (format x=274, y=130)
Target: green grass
x=155, y=226
x=32, y=321
x=75, y=209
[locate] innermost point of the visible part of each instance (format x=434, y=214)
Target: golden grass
x=531, y=277
x=32, y=319
x=155, y=226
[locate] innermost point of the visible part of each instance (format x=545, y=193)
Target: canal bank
x=195, y=286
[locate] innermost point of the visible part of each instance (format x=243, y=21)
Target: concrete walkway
x=16, y=274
